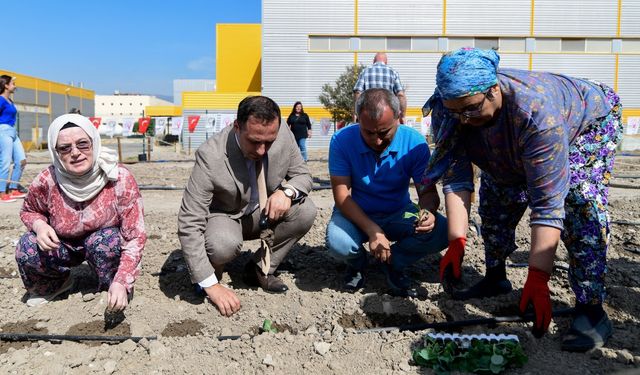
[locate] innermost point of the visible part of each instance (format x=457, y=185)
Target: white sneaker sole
x=35, y=300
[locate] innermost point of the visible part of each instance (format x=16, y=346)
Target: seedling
x=478, y=354
x=267, y=326
x=418, y=216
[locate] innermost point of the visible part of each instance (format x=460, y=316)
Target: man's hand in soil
x=224, y=299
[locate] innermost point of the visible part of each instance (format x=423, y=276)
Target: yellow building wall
x=214, y=100
x=162, y=110
x=238, y=58
x=44, y=85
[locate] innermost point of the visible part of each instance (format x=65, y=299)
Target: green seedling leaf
x=267, y=326
x=409, y=215
x=497, y=359
x=480, y=357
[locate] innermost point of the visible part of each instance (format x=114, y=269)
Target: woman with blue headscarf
x=544, y=141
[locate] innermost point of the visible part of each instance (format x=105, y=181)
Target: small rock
x=404, y=366
x=245, y=337
x=156, y=349
x=40, y=326
x=88, y=297
x=128, y=346
x=268, y=360
x=144, y=343
x=110, y=367
x=312, y=330
x=624, y=356
x=321, y=347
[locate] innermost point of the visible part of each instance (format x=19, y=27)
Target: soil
x=318, y=323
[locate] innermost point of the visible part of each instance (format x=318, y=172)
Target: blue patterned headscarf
x=464, y=72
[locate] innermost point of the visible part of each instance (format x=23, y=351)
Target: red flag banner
x=95, y=121
x=193, y=122
x=143, y=124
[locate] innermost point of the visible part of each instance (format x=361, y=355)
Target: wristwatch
x=289, y=192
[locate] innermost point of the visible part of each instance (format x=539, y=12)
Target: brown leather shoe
x=253, y=276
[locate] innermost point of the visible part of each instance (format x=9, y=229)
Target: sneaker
x=36, y=300
x=17, y=194
x=399, y=283
x=353, y=280
x=584, y=336
x=6, y=198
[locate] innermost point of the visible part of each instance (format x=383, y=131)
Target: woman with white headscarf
x=85, y=206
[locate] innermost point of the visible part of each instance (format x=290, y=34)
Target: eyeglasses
x=470, y=113
x=82, y=145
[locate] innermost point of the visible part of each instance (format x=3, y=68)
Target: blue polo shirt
x=379, y=184
x=7, y=112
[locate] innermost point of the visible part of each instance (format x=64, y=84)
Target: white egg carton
x=465, y=340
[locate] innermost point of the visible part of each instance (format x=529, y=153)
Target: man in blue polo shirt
x=371, y=165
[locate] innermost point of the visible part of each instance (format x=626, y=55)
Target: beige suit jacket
x=220, y=185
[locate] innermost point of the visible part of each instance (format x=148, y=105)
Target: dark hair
x=69, y=125
x=373, y=101
x=260, y=107
x=75, y=110
x=293, y=110
x=4, y=80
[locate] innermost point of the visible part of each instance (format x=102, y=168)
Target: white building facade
x=309, y=43
x=120, y=106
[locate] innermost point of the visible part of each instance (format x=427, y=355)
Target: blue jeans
x=344, y=239
x=10, y=150
x=302, y=144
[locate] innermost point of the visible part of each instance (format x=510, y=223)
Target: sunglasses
x=82, y=145
x=473, y=112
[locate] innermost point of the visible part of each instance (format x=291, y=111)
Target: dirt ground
x=318, y=321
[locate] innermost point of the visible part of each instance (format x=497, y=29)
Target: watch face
x=289, y=193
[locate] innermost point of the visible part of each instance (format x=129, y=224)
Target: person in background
x=85, y=206
x=246, y=175
x=543, y=141
x=300, y=125
x=371, y=165
x=11, y=149
x=381, y=76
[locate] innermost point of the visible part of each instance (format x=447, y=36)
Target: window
x=599, y=45
x=319, y=43
x=572, y=45
x=398, y=44
x=455, y=43
x=425, y=44
x=487, y=43
x=339, y=43
x=513, y=44
x=548, y=45
x=372, y=43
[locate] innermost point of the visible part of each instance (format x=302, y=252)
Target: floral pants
x=44, y=272
x=586, y=224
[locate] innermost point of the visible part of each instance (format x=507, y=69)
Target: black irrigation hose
x=37, y=337
x=465, y=323
x=525, y=265
x=625, y=222
x=162, y=187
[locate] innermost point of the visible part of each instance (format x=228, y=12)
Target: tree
x=338, y=99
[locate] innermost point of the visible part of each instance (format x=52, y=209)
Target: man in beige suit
x=221, y=206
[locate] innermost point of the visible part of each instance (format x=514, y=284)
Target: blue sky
x=131, y=46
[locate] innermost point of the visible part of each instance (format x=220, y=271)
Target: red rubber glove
x=453, y=257
x=536, y=292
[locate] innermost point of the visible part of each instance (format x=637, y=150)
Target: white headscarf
x=103, y=170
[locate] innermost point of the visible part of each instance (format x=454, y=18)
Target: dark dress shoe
x=269, y=283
